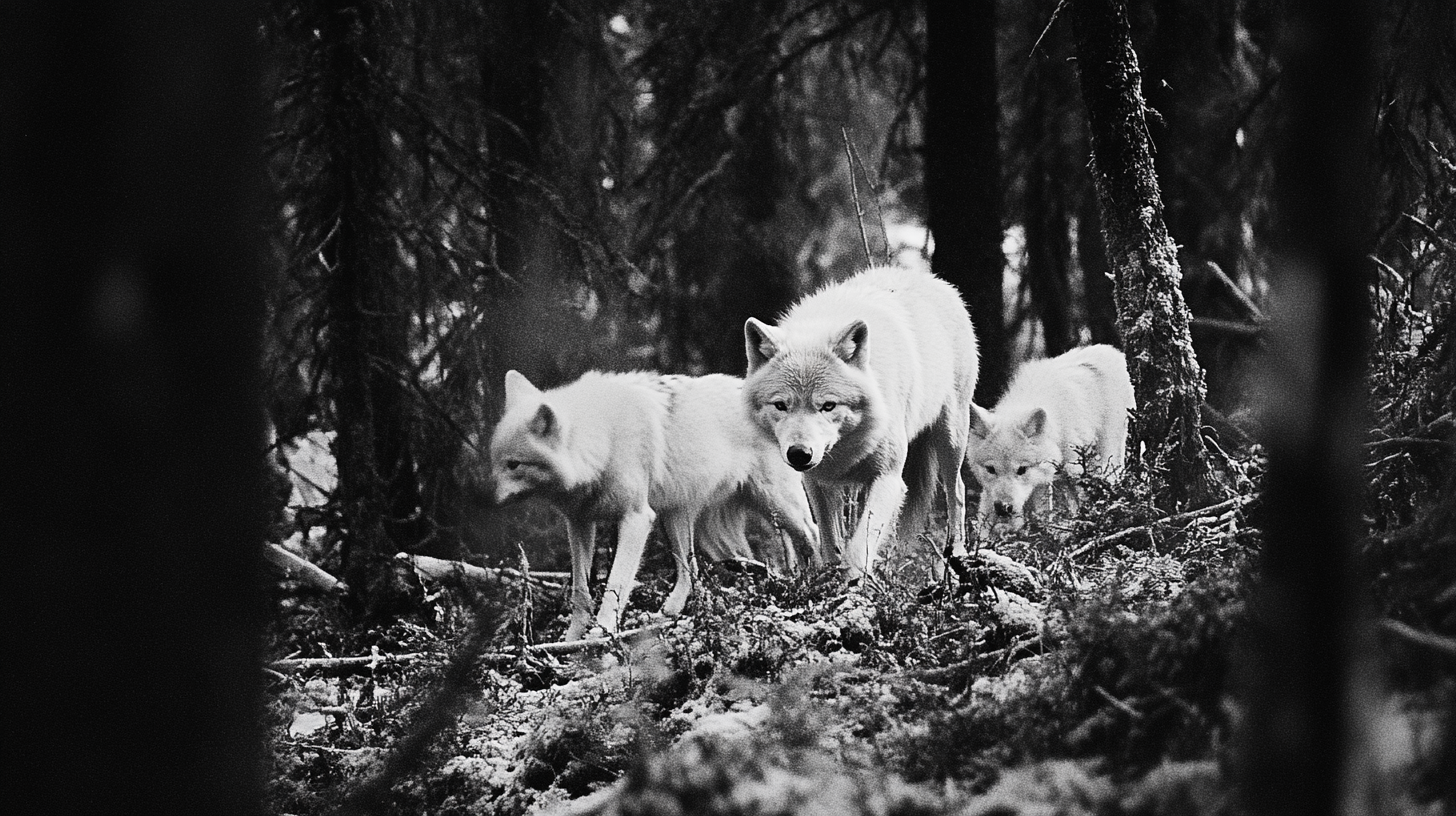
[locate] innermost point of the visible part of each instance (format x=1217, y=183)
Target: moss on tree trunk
x=1152, y=317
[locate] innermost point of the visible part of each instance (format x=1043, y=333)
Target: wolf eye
x=1021, y=471
x=780, y=405
x=991, y=469
x=512, y=464
x=828, y=406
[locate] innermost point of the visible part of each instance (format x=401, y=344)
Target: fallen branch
x=440, y=569
x=1430, y=640
x=1232, y=328
x=492, y=658
x=940, y=674
x=1236, y=503
x=301, y=569
x=569, y=646
x=296, y=663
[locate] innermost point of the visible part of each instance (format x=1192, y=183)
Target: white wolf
x=867, y=383
x=632, y=448
x=1051, y=409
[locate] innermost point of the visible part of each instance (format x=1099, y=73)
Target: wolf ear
x=1034, y=424
x=760, y=342
x=980, y=421
x=519, y=388
x=545, y=423
x=852, y=344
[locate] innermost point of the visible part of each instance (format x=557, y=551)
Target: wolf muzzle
x=799, y=457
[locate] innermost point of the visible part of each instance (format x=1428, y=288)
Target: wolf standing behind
x=634, y=448
x=867, y=383
x=1051, y=409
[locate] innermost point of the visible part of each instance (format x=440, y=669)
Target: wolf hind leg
x=582, y=536
x=922, y=463
x=679, y=528
x=632, y=534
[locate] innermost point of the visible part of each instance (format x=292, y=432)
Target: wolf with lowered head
x=631, y=449
x=1054, y=411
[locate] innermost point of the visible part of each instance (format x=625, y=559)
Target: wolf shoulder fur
x=867, y=383
x=1053, y=411
x=637, y=448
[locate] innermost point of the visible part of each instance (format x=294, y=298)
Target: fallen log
x=301, y=569
x=439, y=569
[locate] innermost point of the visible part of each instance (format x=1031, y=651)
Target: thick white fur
x=868, y=383
x=634, y=448
x=1052, y=408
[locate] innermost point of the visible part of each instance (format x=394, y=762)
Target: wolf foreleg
x=632, y=535
x=881, y=507
x=828, y=504
x=582, y=536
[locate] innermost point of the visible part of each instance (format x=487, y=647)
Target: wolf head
x=524, y=447
x=809, y=397
x=1011, y=457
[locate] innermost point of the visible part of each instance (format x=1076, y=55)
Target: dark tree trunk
x=1048, y=253
x=133, y=515
x=528, y=67
x=1293, y=751
x=1098, y=302
x=1164, y=432
x=366, y=308
x=963, y=173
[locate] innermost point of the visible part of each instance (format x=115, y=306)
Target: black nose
x=800, y=458
x=1002, y=509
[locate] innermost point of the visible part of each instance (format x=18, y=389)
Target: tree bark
x=1152, y=317
x=963, y=174
x=1293, y=754
x=130, y=152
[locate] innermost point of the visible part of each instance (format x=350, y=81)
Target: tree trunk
x=1048, y=250
x=1153, y=319
x=367, y=342
x=963, y=173
x=1298, y=686
x=129, y=342
x=1098, y=303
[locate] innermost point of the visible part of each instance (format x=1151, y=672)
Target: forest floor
x=1088, y=667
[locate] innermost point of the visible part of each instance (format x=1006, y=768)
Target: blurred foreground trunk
x=1293, y=754
x=131, y=153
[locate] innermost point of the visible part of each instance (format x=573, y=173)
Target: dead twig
x=567, y=647
x=1213, y=510
x=941, y=674
x=1118, y=704
x=854, y=193
x=1429, y=640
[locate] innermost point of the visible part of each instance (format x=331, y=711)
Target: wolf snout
x=800, y=457
x=1003, y=510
